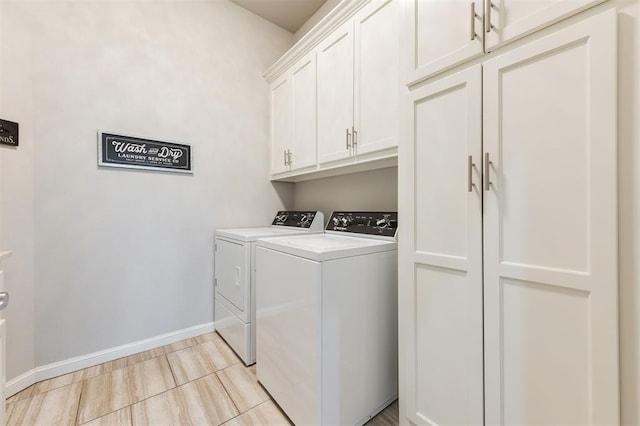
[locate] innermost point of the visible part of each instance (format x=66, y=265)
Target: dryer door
x=232, y=274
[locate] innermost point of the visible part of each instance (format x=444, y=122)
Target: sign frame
x=104, y=161
x=13, y=131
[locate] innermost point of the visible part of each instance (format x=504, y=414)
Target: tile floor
x=197, y=381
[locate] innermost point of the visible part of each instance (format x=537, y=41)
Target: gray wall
x=365, y=191
x=109, y=256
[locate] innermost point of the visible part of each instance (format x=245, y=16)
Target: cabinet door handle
x=348, y=139
x=487, y=17
x=289, y=156
x=355, y=136
x=473, y=20
x=4, y=300
x=487, y=171
x=470, y=183
x=285, y=156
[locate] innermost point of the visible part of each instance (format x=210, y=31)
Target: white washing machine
x=327, y=329
x=235, y=291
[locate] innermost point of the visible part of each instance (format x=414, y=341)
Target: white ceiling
x=288, y=14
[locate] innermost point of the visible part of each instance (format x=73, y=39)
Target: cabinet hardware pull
x=285, y=156
x=4, y=300
x=470, y=166
x=487, y=17
x=289, y=156
x=355, y=136
x=348, y=139
x=487, y=171
x=473, y=20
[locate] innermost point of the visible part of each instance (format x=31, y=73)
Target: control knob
x=305, y=220
x=282, y=218
x=383, y=223
x=346, y=220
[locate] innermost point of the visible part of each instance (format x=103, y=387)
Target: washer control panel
x=383, y=224
x=298, y=219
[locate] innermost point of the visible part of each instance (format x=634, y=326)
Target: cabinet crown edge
x=336, y=17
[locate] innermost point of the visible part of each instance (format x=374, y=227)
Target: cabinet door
x=441, y=34
x=335, y=94
x=303, y=95
x=376, y=77
x=441, y=266
x=550, y=235
x=512, y=19
x=280, y=123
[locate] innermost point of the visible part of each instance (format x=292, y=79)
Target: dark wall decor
x=8, y=133
x=139, y=153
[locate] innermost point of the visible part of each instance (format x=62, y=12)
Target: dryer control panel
x=299, y=219
x=384, y=224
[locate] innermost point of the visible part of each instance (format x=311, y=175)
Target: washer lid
x=321, y=247
x=252, y=234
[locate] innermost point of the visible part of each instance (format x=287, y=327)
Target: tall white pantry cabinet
x=508, y=246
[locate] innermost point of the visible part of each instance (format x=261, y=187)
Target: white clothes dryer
x=235, y=292
x=327, y=329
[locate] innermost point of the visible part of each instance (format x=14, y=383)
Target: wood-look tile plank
x=90, y=372
x=25, y=393
x=112, y=391
x=54, y=383
x=56, y=407
x=201, y=402
x=207, y=337
x=97, y=370
x=151, y=378
x=144, y=356
x=182, y=344
x=387, y=417
x=200, y=360
x=117, y=418
x=264, y=414
x=242, y=386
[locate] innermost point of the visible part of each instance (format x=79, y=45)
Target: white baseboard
x=70, y=365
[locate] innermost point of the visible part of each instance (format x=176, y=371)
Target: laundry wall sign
x=8, y=133
x=139, y=153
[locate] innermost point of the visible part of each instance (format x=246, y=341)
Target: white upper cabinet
x=293, y=118
x=280, y=123
x=443, y=34
x=335, y=95
x=508, y=20
x=376, y=77
x=358, y=85
x=303, y=96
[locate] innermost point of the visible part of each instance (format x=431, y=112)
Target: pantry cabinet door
x=376, y=77
x=303, y=94
x=441, y=266
x=550, y=230
x=441, y=34
x=335, y=95
x=508, y=20
x=280, y=123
